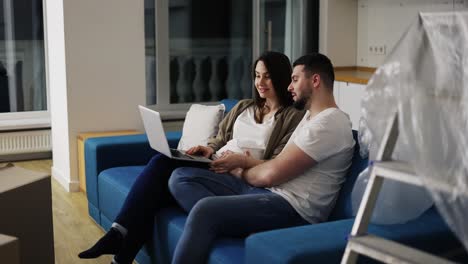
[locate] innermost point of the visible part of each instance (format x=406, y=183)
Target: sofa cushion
x=229, y=104
x=113, y=187
x=200, y=124
x=169, y=227
x=325, y=242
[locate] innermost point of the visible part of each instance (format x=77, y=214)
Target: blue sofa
x=113, y=163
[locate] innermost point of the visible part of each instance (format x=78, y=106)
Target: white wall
x=57, y=82
x=338, y=31
x=105, y=75
x=383, y=22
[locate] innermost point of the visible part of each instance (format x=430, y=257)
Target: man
x=297, y=187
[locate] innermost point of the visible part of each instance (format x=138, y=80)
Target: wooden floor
x=74, y=231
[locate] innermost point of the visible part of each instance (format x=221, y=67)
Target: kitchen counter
x=354, y=74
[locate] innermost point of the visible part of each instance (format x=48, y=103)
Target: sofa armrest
x=116, y=151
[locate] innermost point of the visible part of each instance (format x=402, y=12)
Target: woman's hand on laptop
x=200, y=151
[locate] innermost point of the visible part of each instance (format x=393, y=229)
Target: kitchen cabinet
x=348, y=98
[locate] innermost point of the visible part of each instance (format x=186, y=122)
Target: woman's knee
x=153, y=171
x=206, y=211
x=157, y=163
x=178, y=176
x=158, y=158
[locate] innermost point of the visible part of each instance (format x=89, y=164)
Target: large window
x=210, y=52
x=22, y=67
x=204, y=49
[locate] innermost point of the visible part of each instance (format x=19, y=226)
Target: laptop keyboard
x=178, y=154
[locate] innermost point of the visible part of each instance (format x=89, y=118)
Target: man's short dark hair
x=320, y=64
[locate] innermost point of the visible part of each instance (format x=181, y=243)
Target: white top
x=249, y=135
x=328, y=139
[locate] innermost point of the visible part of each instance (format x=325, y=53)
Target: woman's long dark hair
x=279, y=69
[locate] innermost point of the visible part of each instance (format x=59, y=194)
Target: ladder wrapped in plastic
x=424, y=79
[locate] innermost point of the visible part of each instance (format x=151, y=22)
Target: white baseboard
x=70, y=186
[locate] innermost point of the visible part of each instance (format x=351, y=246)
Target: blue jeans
x=148, y=194
x=221, y=205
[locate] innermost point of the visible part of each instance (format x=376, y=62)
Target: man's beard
x=303, y=102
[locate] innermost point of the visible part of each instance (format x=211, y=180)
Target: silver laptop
x=157, y=137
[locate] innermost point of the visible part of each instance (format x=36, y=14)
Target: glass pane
x=150, y=59
x=210, y=52
x=273, y=23
x=289, y=26
x=22, y=67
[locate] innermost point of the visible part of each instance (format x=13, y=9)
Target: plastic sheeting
x=424, y=80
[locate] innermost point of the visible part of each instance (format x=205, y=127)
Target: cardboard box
x=9, y=249
x=26, y=213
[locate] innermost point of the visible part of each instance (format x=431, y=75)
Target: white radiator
x=25, y=142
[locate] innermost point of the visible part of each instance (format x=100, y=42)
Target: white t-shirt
x=249, y=135
x=328, y=139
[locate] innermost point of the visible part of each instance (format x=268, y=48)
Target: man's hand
x=201, y=151
x=228, y=162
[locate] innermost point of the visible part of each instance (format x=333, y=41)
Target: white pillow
x=201, y=123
